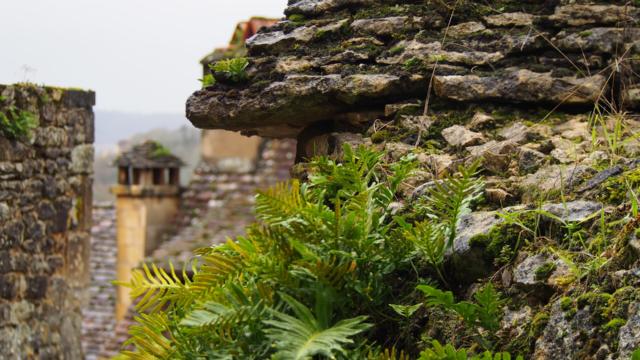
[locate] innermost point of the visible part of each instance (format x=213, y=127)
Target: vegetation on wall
x=230, y=71
x=17, y=124
x=316, y=277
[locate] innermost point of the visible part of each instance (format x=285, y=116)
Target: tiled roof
x=147, y=155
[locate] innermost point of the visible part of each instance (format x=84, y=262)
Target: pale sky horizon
x=138, y=55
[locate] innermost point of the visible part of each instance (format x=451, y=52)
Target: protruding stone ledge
x=284, y=108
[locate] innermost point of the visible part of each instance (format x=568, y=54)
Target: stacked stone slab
x=45, y=220
x=333, y=58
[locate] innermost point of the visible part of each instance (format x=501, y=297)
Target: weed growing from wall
x=17, y=124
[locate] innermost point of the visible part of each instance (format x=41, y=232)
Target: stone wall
x=543, y=94
x=45, y=220
x=344, y=60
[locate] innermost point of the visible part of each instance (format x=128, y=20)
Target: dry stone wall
x=45, y=220
x=544, y=94
x=332, y=58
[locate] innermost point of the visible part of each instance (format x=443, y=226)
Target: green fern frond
x=301, y=337
x=155, y=287
x=216, y=268
x=389, y=354
x=148, y=338
x=226, y=319
x=438, y=351
x=332, y=272
x=280, y=204
x=489, y=307
x=451, y=198
x=485, y=313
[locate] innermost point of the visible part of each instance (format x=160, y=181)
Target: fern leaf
x=301, y=337
x=451, y=198
x=148, y=338
x=154, y=288
x=280, y=204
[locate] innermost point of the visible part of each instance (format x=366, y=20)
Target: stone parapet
x=46, y=158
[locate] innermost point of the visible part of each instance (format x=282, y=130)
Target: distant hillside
x=183, y=141
x=114, y=126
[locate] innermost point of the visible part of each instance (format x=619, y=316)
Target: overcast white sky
x=138, y=55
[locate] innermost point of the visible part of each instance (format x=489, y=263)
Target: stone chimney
x=147, y=201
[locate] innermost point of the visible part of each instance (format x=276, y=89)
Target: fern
x=331, y=244
x=17, y=124
x=303, y=336
x=489, y=309
x=207, y=80
x=439, y=352
x=149, y=339
x=451, y=198
x=430, y=240
x=280, y=205
x=448, y=352
x=230, y=70
x=485, y=313
x=389, y=354
x=155, y=287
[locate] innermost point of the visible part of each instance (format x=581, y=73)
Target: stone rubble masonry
x=351, y=56
x=45, y=220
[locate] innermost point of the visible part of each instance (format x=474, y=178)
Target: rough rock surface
x=352, y=55
x=544, y=94
x=45, y=220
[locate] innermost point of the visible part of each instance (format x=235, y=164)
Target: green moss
x=438, y=58
x=321, y=35
x=585, y=33
x=597, y=302
x=389, y=10
x=413, y=64
x=595, y=299
x=614, y=325
x=410, y=110
x=566, y=303
x=615, y=190
x=618, y=305
x=380, y=136
x=160, y=151
x=504, y=235
x=545, y=270
x=297, y=18
x=568, y=307
x=538, y=323
x=396, y=50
